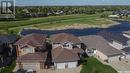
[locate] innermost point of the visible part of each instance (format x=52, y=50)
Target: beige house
x=35, y=61
x=103, y=50
x=31, y=52
x=30, y=44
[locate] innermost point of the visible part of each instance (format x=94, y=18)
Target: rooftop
x=111, y=36
x=33, y=57
x=126, y=50
x=99, y=43
x=35, y=40
x=64, y=37
x=60, y=54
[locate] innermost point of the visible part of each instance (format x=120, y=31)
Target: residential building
x=32, y=52
x=116, y=40
x=35, y=61
x=30, y=44
x=66, y=50
x=64, y=58
x=65, y=40
x=101, y=48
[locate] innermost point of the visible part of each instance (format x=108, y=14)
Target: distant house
x=114, y=39
x=64, y=58
x=122, y=12
x=30, y=44
x=102, y=49
x=31, y=52
x=7, y=49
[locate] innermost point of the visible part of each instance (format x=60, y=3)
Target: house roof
x=127, y=32
x=35, y=40
x=126, y=50
x=8, y=38
x=99, y=43
x=77, y=50
x=60, y=54
x=110, y=36
x=64, y=37
x=33, y=57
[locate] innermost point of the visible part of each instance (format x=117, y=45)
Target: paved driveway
x=121, y=66
x=71, y=70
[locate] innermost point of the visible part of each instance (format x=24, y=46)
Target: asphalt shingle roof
x=110, y=36
x=99, y=43
x=126, y=50
x=35, y=40
x=64, y=37
x=33, y=57
x=60, y=54
x=8, y=38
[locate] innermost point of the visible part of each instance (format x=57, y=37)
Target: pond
x=123, y=26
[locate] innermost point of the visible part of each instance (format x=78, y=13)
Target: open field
x=58, y=22
x=92, y=65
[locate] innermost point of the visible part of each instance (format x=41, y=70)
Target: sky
x=70, y=2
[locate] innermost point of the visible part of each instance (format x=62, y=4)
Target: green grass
x=92, y=65
x=55, y=21
x=8, y=69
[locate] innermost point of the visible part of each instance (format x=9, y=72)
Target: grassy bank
x=92, y=65
x=56, y=22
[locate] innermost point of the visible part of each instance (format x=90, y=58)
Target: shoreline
x=80, y=26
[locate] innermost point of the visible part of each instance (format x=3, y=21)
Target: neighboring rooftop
x=8, y=38
x=110, y=36
x=35, y=40
x=126, y=50
x=33, y=57
x=64, y=37
x=77, y=50
x=60, y=54
x=127, y=32
x=99, y=43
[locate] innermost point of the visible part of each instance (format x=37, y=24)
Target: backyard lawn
x=92, y=65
